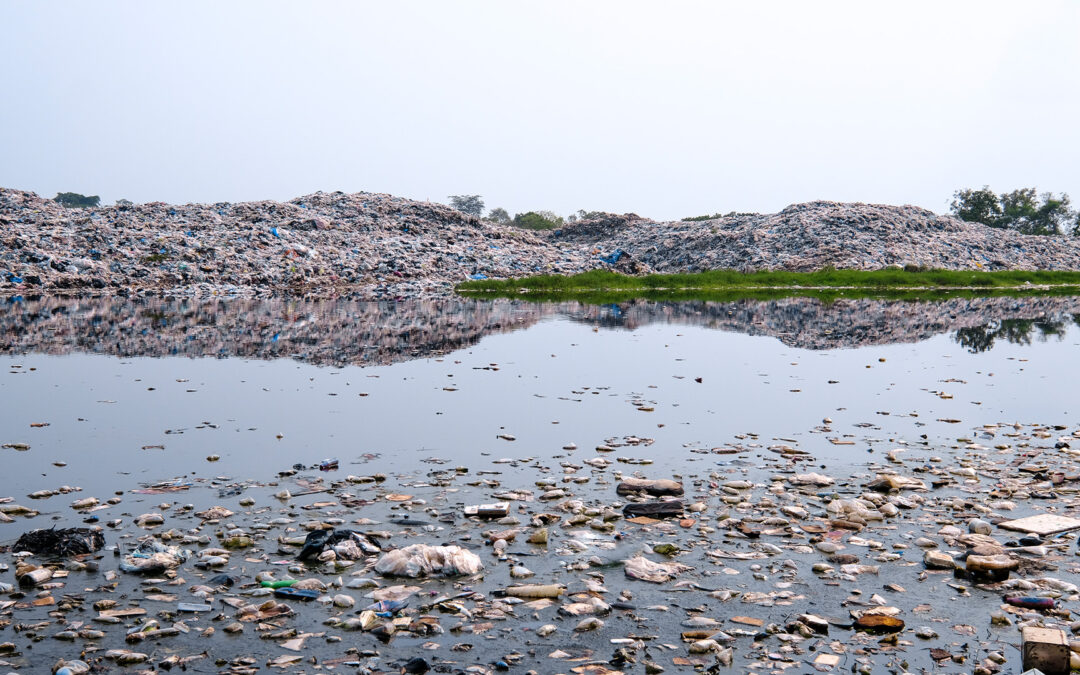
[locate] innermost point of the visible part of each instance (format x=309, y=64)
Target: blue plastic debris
x=613, y=258
x=387, y=608
x=478, y=277
x=296, y=593
x=273, y=231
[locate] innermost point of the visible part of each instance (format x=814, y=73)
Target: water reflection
x=380, y=333
x=1015, y=331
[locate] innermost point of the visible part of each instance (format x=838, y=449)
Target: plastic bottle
x=1031, y=603
x=283, y=583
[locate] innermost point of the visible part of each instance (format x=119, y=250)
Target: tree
x=1018, y=210
x=76, y=200
x=582, y=214
x=1023, y=212
x=538, y=220
x=978, y=206
x=472, y=205
x=498, y=215
x=124, y=202
x=1054, y=215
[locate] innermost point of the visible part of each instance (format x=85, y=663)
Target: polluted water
x=241, y=486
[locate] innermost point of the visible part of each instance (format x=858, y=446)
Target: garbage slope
x=317, y=244
x=810, y=236
x=380, y=246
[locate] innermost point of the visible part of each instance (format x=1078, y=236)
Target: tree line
x=1023, y=210
x=473, y=205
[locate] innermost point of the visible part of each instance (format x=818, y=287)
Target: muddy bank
x=379, y=246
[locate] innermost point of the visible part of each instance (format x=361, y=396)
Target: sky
x=665, y=109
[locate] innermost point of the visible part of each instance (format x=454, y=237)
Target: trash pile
x=377, y=246
x=374, y=245
x=365, y=333
x=810, y=236
x=935, y=559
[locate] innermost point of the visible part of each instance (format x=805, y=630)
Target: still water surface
x=138, y=393
x=289, y=383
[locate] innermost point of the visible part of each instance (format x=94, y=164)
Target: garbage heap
x=320, y=244
x=379, y=246
x=807, y=237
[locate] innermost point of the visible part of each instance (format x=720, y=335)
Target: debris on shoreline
x=769, y=562
x=379, y=246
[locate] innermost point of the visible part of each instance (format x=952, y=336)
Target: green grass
x=731, y=284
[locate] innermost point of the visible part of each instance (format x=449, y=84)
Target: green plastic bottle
x=278, y=584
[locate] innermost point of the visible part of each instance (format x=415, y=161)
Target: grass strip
x=607, y=286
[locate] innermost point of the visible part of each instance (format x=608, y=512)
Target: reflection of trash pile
x=319, y=332
x=809, y=323
x=376, y=245
x=379, y=333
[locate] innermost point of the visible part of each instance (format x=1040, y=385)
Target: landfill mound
x=320, y=244
x=378, y=246
x=810, y=236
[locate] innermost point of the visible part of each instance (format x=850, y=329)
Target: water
x=549, y=375
x=141, y=393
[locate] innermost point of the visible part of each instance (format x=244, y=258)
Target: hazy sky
x=666, y=109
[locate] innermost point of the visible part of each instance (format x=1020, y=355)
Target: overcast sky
x=667, y=109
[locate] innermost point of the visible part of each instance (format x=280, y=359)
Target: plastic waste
x=640, y=567
x=282, y=583
x=421, y=560
x=291, y=593
x=153, y=557
x=1028, y=602
x=63, y=542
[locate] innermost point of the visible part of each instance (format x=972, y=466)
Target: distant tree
x=76, y=200
x=124, y=202
x=498, y=215
x=977, y=206
x=538, y=220
x=582, y=214
x=472, y=205
x=698, y=219
x=1019, y=210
